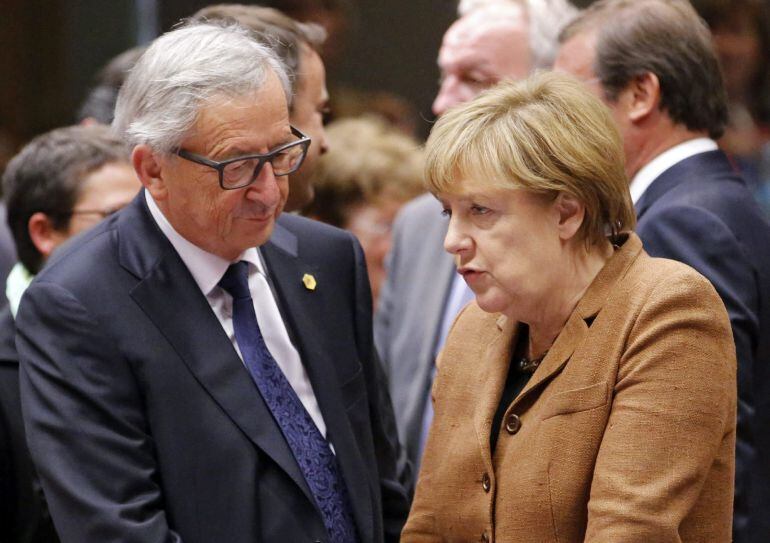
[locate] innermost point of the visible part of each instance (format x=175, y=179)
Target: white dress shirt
x=654, y=168
x=207, y=269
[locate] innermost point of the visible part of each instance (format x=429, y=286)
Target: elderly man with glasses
x=200, y=367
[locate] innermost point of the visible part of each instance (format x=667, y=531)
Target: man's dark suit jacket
x=23, y=515
x=145, y=424
x=700, y=212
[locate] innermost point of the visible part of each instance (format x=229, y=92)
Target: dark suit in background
x=23, y=515
x=159, y=433
x=700, y=212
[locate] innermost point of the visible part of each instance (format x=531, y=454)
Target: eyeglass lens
x=243, y=172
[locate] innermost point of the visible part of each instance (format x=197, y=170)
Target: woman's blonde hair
x=546, y=134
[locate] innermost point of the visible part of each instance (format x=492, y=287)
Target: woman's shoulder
x=657, y=273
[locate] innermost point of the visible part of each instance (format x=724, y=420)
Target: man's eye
x=479, y=210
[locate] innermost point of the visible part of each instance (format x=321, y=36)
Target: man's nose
x=323, y=141
x=447, y=96
x=265, y=187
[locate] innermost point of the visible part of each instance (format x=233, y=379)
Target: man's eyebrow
x=238, y=151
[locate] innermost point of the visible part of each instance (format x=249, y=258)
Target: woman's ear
x=571, y=213
x=149, y=170
x=43, y=234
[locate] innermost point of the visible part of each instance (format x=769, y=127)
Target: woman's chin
x=491, y=305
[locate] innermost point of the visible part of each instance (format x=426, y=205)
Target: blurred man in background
x=62, y=183
x=653, y=63
x=492, y=41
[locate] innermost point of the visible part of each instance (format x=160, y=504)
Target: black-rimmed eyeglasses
x=242, y=171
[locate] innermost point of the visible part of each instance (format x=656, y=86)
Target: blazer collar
x=696, y=167
x=498, y=354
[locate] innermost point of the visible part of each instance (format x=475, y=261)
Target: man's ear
x=148, y=168
x=43, y=234
x=571, y=213
x=641, y=97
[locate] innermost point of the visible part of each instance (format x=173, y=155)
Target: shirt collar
x=17, y=282
x=206, y=268
x=654, y=168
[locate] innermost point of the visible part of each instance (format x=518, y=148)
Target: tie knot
x=236, y=280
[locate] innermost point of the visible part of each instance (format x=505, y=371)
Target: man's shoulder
x=717, y=195
x=303, y=227
x=85, y=257
x=422, y=211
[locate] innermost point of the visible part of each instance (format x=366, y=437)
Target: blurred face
x=740, y=51
x=478, y=51
x=103, y=192
x=372, y=224
x=227, y=222
x=506, y=246
x=310, y=105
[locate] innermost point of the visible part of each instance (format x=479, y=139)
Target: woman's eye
x=446, y=212
x=479, y=210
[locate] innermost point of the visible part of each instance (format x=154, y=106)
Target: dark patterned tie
x=311, y=450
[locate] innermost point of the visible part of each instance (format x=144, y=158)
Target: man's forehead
x=482, y=34
x=242, y=124
x=577, y=55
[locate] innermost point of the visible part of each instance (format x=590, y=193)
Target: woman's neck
x=577, y=276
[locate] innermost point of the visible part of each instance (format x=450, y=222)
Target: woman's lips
x=470, y=275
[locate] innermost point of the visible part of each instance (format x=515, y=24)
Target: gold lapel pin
x=309, y=281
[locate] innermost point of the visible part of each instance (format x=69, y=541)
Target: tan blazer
x=625, y=433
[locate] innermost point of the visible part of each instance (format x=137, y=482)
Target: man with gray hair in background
x=493, y=40
x=199, y=367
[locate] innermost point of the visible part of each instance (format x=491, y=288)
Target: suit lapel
x=172, y=300
x=307, y=316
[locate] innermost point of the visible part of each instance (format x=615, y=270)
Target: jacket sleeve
x=672, y=421
x=85, y=425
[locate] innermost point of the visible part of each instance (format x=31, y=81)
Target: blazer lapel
x=576, y=329
x=494, y=372
x=306, y=314
x=172, y=300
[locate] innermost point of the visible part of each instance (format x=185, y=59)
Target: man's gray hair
x=182, y=70
x=546, y=19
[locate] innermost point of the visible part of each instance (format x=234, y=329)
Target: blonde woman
x=588, y=394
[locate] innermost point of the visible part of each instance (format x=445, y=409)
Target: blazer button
x=486, y=482
x=512, y=423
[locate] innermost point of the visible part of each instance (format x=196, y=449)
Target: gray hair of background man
x=663, y=37
x=282, y=33
x=546, y=19
x=47, y=176
x=181, y=71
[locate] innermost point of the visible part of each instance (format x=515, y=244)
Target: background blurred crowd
x=56, y=52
